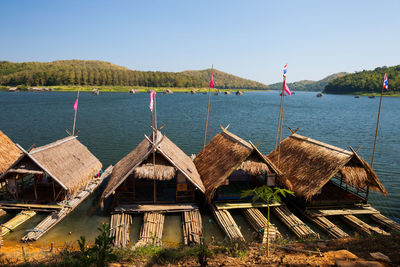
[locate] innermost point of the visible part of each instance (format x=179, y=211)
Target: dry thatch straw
x=67, y=161
x=309, y=164
x=161, y=171
x=139, y=162
x=224, y=154
x=9, y=152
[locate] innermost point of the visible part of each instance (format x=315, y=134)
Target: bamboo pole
x=76, y=111
x=208, y=110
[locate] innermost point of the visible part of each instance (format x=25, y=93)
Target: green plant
x=269, y=196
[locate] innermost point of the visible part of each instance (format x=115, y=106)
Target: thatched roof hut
x=309, y=164
x=226, y=153
x=67, y=161
x=9, y=152
x=139, y=162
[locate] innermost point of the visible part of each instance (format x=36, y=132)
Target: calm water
x=112, y=124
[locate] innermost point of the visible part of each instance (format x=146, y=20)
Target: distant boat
x=371, y=96
x=227, y=93
x=95, y=91
x=319, y=95
x=356, y=96
x=239, y=93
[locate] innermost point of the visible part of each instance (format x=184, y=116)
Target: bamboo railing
x=192, y=227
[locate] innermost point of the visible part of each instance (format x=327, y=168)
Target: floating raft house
x=155, y=178
x=53, y=178
x=329, y=181
x=227, y=166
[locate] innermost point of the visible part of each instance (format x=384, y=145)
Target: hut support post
x=54, y=190
x=34, y=188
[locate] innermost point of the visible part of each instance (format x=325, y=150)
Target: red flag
x=287, y=90
x=385, y=83
x=76, y=104
x=211, y=81
x=152, y=96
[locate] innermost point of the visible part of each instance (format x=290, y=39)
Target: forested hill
x=308, y=85
x=366, y=81
x=92, y=72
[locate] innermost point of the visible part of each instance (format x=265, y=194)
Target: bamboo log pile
x=293, y=223
x=361, y=226
x=57, y=216
x=259, y=224
x=119, y=228
x=227, y=224
x=192, y=227
x=19, y=219
x=329, y=227
x=383, y=220
x=152, y=229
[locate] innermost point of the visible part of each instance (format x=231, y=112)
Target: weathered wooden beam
x=246, y=205
x=334, y=212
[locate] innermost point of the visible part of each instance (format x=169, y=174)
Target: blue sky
x=251, y=39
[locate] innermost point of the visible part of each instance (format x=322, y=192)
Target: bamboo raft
x=293, y=223
x=259, y=224
x=227, y=224
x=361, y=226
x=329, y=227
x=119, y=228
x=152, y=229
x=386, y=222
x=57, y=216
x=19, y=219
x=192, y=227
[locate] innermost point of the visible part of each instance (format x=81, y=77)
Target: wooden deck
x=192, y=227
x=19, y=219
x=57, y=216
x=162, y=208
x=294, y=224
x=152, y=229
x=243, y=205
x=227, y=224
x=361, y=226
x=259, y=224
x=120, y=224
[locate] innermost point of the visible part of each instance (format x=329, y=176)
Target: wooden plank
x=335, y=212
x=361, y=226
x=156, y=208
x=294, y=224
x=4, y=205
x=19, y=219
x=386, y=222
x=24, y=171
x=243, y=205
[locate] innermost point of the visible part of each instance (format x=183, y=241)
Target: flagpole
x=280, y=124
x=208, y=109
x=76, y=111
x=376, y=135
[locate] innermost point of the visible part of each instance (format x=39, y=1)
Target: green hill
x=308, y=85
x=366, y=82
x=100, y=73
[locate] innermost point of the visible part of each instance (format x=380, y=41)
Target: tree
x=269, y=196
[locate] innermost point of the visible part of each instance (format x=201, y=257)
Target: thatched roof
x=9, y=152
x=224, y=154
x=139, y=162
x=309, y=164
x=67, y=161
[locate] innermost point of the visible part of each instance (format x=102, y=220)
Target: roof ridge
x=322, y=144
x=56, y=143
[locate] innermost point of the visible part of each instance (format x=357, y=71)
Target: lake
x=112, y=124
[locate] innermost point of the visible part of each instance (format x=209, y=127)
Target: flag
x=385, y=83
x=284, y=70
x=211, y=81
x=76, y=104
x=287, y=90
x=152, y=96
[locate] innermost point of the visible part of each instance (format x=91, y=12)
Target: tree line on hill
x=365, y=81
x=98, y=73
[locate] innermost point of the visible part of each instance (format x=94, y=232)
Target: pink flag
x=152, y=96
x=287, y=90
x=76, y=104
x=211, y=81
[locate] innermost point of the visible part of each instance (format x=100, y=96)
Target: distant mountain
x=308, y=85
x=366, y=81
x=93, y=72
